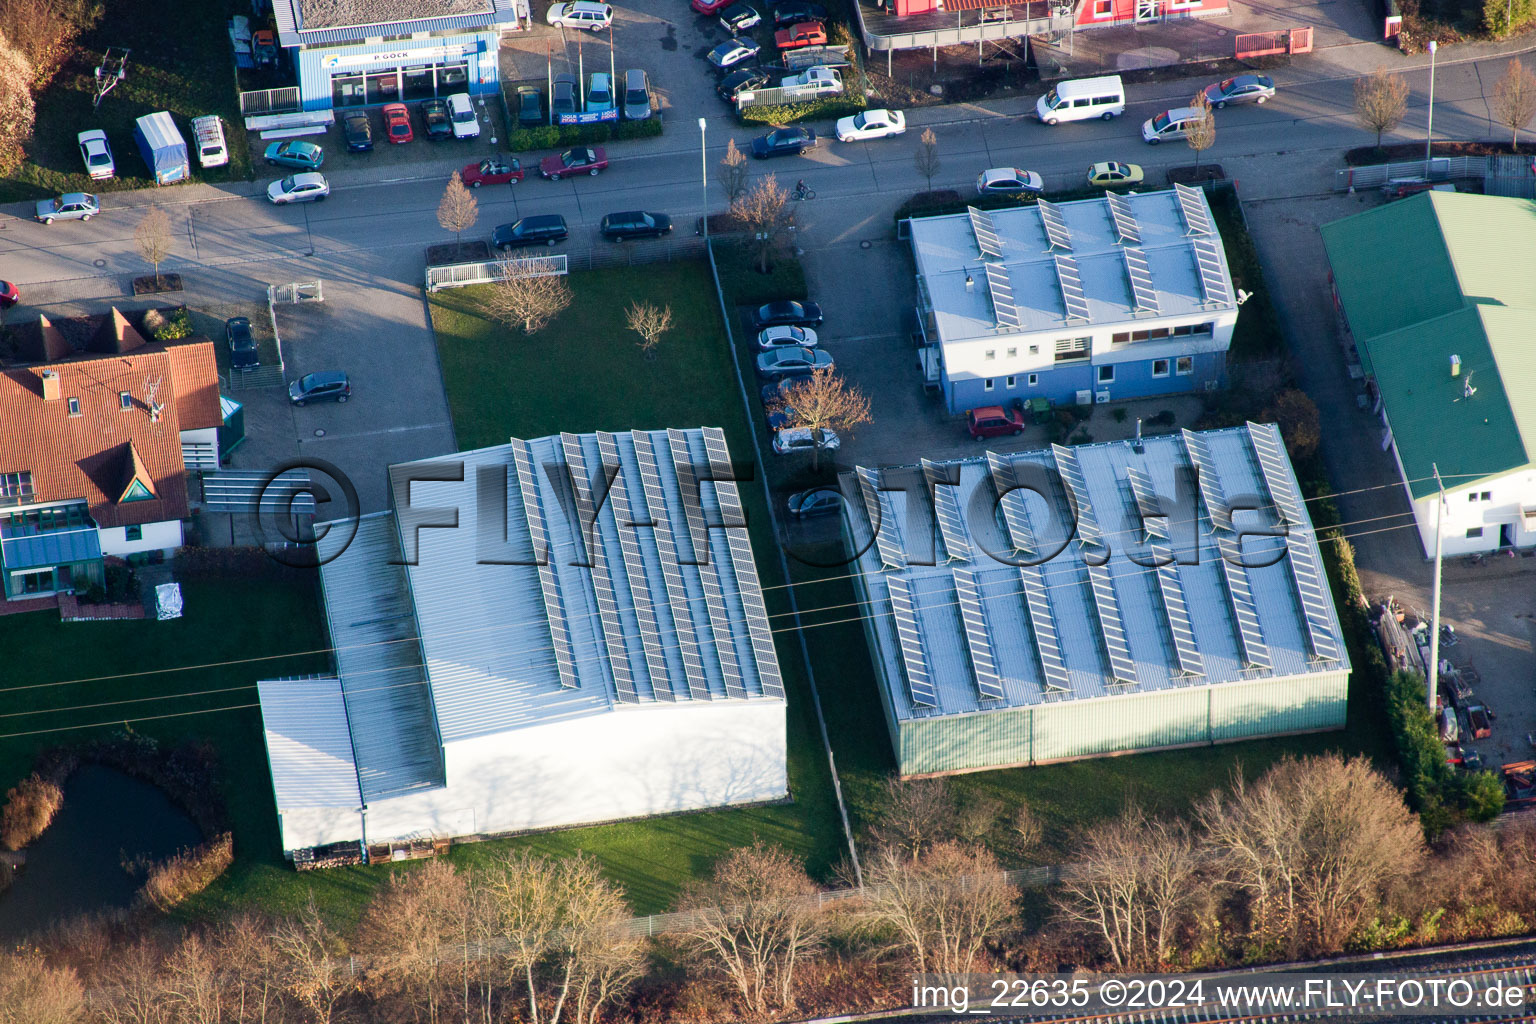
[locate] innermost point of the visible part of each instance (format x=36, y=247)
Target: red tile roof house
x=91, y=451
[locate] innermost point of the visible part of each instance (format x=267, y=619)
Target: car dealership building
x=354, y=53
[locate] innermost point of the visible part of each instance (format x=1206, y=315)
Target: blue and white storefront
x=399, y=62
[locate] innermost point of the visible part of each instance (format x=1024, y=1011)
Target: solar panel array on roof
x=1239, y=590
x=634, y=570
x=709, y=574
x=1212, y=281
x=602, y=583
x=1306, y=573
x=1037, y=595
x=554, y=607
x=748, y=585
x=882, y=519
x=1122, y=666
x=978, y=636
x=1001, y=290
x=1169, y=584
x=1192, y=204
x=1056, y=230
x=1124, y=217
x=1139, y=269
x=986, y=233
x=677, y=591
x=910, y=634
x=1072, y=294
x=946, y=508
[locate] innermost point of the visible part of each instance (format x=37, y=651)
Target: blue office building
x=356, y=53
x=1089, y=301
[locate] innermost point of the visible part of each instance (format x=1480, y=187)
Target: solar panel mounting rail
x=946, y=509
x=887, y=534
x=978, y=635
x=910, y=635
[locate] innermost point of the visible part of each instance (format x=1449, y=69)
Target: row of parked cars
x=788, y=351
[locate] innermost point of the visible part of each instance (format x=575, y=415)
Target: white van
x=1170, y=124
x=1082, y=98
x=462, y=113
x=208, y=135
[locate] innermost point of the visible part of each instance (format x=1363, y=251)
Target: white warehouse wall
x=1508, y=495
x=633, y=762
x=161, y=536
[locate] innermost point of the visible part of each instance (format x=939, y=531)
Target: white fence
x=459, y=275
x=1440, y=168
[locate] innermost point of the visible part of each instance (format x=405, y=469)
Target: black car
x=542, y=229
x=739, y=17
x=530, y=106
x=242, y=343
x=635, y=224
x=740, y=81
x=792, y=12
x=325, y=386
x=819, y=502
x=358, y=130
x=439, y=123
x=792, y=314
x=784, y=142
x=564, y=97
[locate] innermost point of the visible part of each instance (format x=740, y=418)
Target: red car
x=994, y=421
x=494, y=171
x=9, y=295
x=710, y=6
x=397, y=123
x=581, y=160
x=807, y=33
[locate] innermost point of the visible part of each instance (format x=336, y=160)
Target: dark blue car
x=784, y=142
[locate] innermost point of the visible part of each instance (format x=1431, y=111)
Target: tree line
x=1316, y=856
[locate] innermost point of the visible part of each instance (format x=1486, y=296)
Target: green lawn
x=61, y=677
x=182, y=61
x=585, y=373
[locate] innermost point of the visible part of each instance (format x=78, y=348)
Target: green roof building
x=1439, y=294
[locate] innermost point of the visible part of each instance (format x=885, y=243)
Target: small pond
x=76, y=866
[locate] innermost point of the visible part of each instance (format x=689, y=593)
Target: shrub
x=650, y=128
x=154, y=320
x=29, y=809
x=552, y=136
x=177, y=325
x=1164, y=418
x=812, y=110
x=188, y=873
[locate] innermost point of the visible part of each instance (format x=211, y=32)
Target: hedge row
x=553, y=136
x=811, y=110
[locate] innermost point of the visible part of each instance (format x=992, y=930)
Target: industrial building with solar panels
x=1096, y=300
x=1003, y=637
x=516, y=672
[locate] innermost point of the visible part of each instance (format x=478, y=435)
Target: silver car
x=299, y=188
x=793, y=361
x=69, y=206
x=637, y=95
x=1241, y=89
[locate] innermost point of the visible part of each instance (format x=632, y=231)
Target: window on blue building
x=1034, y=379
x=1159, y=367
x=1106, y=375
x=1185, y=366
x=986, y=385
x=1013, y=382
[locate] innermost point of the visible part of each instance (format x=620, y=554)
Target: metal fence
x=273, y=376
x=661, y=250
x=270, y=101
x=460, y=275
x=1440, y=168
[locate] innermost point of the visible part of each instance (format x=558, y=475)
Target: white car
x=732, y=52
x=871, y=124
x=786, y=337
x=1009, y=181
x=580, y=14
x=788, y=440
x=299, y=188
x=96, y=154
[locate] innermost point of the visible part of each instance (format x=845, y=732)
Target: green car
x=306, y=156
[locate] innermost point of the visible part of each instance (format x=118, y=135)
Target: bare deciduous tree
x=825, y=401
x=1514, y=100
x=458, y=210
x=1317, y=845
x=762, y=210
x=927, y=156
x=650, y=322
x=311, y=964
x=18, y=114
x=1201, y=134
x=733, y=173
x=194, y=982
x=32, y=992
x=1381, y=99
x=754, y=922
x=976, y=816
x=409, y=931
x=943, y=907
x=1027, y=828
x=1133, y=887
x=44, y=30
x=130, y=990
x=153, y=238
x=244, y=950
x=913, y=815
x=527, y=294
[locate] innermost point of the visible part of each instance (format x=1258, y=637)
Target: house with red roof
x=94, y=449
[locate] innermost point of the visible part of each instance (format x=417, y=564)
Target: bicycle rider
x=800, y=187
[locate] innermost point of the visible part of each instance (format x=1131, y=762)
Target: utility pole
x=1429, y=127
x=1434, y=625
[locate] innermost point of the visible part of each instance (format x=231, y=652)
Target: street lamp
x=704, y=178
x=1429, y=129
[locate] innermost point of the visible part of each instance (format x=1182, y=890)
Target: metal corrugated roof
x=368, y=607
x=309, y=746
x=291, y=33
x=1077, y=615
x=1469, y=290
